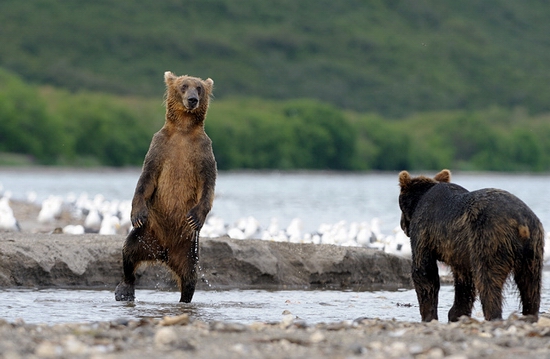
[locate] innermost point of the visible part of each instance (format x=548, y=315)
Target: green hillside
x=392, y=57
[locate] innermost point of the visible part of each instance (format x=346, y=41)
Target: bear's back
x=495, y=205
x=443, y=199
x=446, y=205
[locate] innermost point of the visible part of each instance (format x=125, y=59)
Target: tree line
x=55, y=127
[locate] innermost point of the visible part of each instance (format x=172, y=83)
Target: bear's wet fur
x=175, y=190
x=484, y=236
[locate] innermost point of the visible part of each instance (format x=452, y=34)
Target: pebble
x=165, y=336
x=177, y=320
x=543, y=322
x=48, y=350
x=317, y=337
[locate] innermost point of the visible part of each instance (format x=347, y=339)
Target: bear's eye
x=184, y=87
x=199, y=89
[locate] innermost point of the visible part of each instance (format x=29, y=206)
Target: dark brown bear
x=175, y=190
x=482, y=235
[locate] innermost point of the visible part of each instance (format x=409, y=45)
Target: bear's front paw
x=192, y=222
x=125, y=292
x=139, y=218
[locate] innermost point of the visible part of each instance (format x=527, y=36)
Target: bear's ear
x=443, y=176
x=209, y=82
x=169, y=77
x=404, y=179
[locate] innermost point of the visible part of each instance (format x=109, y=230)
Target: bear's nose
x=192, y=101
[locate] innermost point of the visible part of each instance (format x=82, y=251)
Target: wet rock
x=165, y=336
x=48, y=350
x=91, y=260
x=317, y=337
x=178, y=320
x=228, y=327
x=543, y=322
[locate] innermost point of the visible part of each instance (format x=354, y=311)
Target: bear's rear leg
x=184, y=262
x=137, y=248
x=465, y=295
x=528, y=277
x=125, y=290
x=187, y=291
x=426, y=285
x=490, y=285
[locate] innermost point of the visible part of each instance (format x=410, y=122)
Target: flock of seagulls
x=98, y=215
x=355, y=234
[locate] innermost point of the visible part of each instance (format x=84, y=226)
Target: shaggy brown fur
x=175, y=190
x=482, y=235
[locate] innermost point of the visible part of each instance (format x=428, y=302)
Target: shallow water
x=240, y=306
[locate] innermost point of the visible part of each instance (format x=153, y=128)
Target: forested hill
x=394, y=57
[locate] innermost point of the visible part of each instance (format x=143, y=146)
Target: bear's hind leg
x=183, y=260
x=138, y=247
x=465, y=295
x=528, y=277
x=188, y=290
x=426, y=285
x=490, y=284
x=189, y=282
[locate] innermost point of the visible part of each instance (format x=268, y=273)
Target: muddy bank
x=94, y=261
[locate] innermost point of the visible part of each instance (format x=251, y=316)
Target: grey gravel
x=180, y=337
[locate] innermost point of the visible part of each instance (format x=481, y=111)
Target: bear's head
x=186, y=94
x=412, y=190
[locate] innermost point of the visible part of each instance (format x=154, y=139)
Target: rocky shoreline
x=178, y=337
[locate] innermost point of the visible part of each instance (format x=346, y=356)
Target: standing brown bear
x=482, y=235
x=175, y=190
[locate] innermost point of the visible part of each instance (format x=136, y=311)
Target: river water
x=240, y=306
x=315, y=197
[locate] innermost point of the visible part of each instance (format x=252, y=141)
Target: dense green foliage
x=102, y=130
x=58, y=127
x=25, y=124
x=490, y=140
x=394, y=57
x=290, y=135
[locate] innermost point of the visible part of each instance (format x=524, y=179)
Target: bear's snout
x=192, y=103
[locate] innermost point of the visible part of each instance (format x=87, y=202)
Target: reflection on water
x=241, y=306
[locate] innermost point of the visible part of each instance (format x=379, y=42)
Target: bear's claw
x=191, y=221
